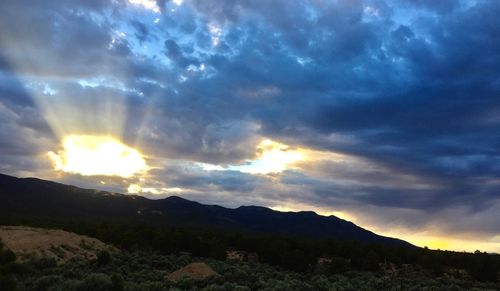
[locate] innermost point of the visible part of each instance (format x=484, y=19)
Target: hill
x=302, y=242
x=31, y=197
x=30, y=242
x=145, y=270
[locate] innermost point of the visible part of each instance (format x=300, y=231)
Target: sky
x=382, y=112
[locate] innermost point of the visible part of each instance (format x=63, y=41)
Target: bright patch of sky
x=146, y=4
x=178, y=2
x=138, y=189
x=272, y=158
x=216, y=33
x=97, y=155
x=162, y=27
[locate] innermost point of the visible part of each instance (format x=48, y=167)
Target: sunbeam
x=87, y=113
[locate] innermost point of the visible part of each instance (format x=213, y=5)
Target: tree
x=96, y=282
x=483, y=267
x=103, y=258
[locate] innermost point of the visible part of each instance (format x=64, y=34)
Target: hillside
x=30, y=197
x=174, y=232
x=146, y=270
x=62, y=246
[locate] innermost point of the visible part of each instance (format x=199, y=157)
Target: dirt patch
x=30, y=242
x=195, y=271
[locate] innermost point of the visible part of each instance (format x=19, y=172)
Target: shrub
x=103, y=258
x=118, y=282
x=44, y=282
x=44, y=263
x=7, y=283
x=338, y=266
x=7, y=256
x=96, y=282
x=152, y=286
x=14, y=268
x=483, y=268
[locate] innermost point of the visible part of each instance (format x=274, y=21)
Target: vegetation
x=285, y=263
x=152, y=249
x=291, y=253
x=204, y=231
x=155, y=244
x=146, y=270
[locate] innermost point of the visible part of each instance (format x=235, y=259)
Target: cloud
x=406, y=99
x=146, y=4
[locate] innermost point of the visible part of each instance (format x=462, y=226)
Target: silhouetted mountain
x=31, y=197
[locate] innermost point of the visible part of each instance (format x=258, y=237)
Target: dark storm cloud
x=52, y=34
x=441, y=116
x=230, y=181
x=23, y=131
x=142, y=31
x=442, y=6
x=415, y=99
x=398, y=90
x=175, y=54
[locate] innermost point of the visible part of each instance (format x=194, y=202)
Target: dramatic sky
x=383, y=112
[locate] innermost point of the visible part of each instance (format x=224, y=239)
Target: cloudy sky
x=383, y=112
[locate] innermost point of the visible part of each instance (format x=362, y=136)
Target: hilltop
x=36, y=198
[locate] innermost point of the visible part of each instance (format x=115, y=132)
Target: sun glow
x=271, y=158
x=433, y=239
x=91, y=155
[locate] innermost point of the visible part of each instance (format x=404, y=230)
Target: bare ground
x=29, y=242
x=195, y=271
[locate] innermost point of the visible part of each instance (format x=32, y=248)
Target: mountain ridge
x=43, y=198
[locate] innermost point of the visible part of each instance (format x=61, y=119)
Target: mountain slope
x=31, y=197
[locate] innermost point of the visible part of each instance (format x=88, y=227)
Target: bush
x=44, y=263
x=483, y=268
x=338, y=266
x=152, y=286
x=103, y=258
x=7, y=283
x=14, y=268
x=96, y=282
x=7, y=256
x=45, y=282
x=118, y=282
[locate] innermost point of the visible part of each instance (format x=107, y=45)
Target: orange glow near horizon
x=440, y=241
x=420, y=238
x=91, y=155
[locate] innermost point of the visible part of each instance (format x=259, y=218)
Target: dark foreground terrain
x=45, y=200
x=147, y=270
x=250, y=248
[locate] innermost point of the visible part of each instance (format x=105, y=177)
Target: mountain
x=40, y=199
